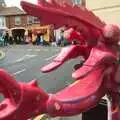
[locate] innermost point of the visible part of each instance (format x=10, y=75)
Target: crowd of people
x=29, y=37
x=19, y=38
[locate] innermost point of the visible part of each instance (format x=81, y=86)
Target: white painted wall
x=109, y=12
x=101, y=3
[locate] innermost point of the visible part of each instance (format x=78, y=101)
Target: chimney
x=2, y=3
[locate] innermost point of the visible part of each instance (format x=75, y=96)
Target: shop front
x=46, y=31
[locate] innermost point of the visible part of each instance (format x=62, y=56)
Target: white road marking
x=30, y=56
x=29, y=49
x=20, y=60
x=56, y=49
x=37, y=50
x=46, y=50
x=26, y=57
x=20, y=71
x=49, y=58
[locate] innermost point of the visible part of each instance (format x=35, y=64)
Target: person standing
x=5, y=37
x=34, y=37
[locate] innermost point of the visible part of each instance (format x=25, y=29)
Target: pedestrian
x=38, y=39
x=34, y=37
x=41, y=39
x=5, y=37
x=62, y=35
x=26, y=37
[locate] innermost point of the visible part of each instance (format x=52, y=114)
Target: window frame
x=29, y=20
x=2, y=21
x=17, y=22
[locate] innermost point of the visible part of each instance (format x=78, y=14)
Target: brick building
x=11, y=17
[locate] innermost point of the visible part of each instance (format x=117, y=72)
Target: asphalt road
x=24, y=63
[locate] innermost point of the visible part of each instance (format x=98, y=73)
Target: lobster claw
x=21, y=100
x=66, y=54
x=97, y=57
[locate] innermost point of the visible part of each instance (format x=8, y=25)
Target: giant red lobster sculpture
x=97, y=76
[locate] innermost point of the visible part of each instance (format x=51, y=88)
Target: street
x=24, y=63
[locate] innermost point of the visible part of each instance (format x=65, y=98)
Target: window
x=33, y=20
x=2, y=22
x=36, y=20
x=29, y=20
x=17, y=20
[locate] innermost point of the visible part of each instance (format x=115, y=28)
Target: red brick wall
x=10, y=21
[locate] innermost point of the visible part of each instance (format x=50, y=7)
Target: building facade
x=16, y=19
x=107, y=10
x=11, y=17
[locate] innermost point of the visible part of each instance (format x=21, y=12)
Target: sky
x=16, y=2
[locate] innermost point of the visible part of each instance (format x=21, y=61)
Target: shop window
x=17, y=20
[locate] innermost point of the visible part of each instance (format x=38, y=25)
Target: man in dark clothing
x=5, y=37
